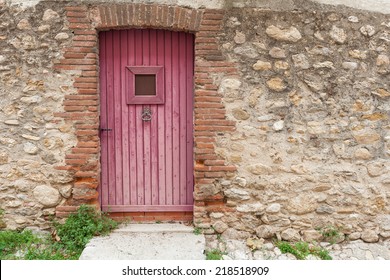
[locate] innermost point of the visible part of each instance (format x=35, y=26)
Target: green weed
x=72, y=236
x=302, y=249
x=197, y=231
x=330, y=233
x=80, y=227
x=214, y=254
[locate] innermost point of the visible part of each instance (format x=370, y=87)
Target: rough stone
x=229, y=84
x=277, y=53
x=276, y=84
x=259, y=169
x=311, y=235
x=363, y=153
x=46, y=195
x=30, y=137
x=253, y=207
x=254, y=244
x=220, y=226
x=353, y=19
x=262, y=66
x=24, y=24
x=288, y=35
x=350, y=65
x=375, y=169
x=301, y=61
x=265, y=231
x=240, y=114
x=381, y=93
x=290, y=235
x=382, y=60
x=65, y=191
x=273, y=208
x=30, y=148
x=246, y=51
x=240, y=37
x=367, y=30
x=61, y=36
x=338, y=34
x=235, y=193
x=12, y=122
x=369, y=236
x=278, y=126
x=49, y=14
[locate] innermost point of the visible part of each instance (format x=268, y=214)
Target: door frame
x=81, y=60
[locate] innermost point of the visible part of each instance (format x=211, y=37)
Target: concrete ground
x=147, y=242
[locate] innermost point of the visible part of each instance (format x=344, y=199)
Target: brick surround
x=82, y=108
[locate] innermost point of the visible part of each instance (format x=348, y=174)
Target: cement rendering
x=147, y=242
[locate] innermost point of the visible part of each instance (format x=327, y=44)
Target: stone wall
x=291, y=114
x=312, y=140
x=32, y=140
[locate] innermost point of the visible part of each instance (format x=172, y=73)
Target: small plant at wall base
x=66, y=242
x=331, y=234
x=214, y=254
x=301, y=250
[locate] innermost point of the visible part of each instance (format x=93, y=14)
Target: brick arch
x=147, y=16
x=81, y=109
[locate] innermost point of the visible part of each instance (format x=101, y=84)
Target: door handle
x=106, y=129
x=146, y=114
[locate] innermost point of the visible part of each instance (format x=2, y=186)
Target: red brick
x=84, y=44
x=208, y=105
x=79, y=26
x=80, y=50
x=85, y=32
x=204, y=27
x=89, y=74
x=75, y=161
x=79, y=102
x=90, y=144
x=75, y=67
x=76, y=14
x=85, y=85
x=85, y=174
x=215, y=122
x=85, y=150
x=86, y=79
x=212, y=99
x=74, y=156
x=85, y=38
x=87, y=91
x=87, y=132
x=74, y=55
x=81, y=8
x=78, y=20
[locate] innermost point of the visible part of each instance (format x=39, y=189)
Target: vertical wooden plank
x=139, y=127
x=168, y=117
x=124, y=119
x=146, y=124
x=153, y=126
x=161, y=123
x=111, y=121
x=176, y=118
x=182, y=119
x=117, y=129
x=103, y=119
x=189, y=119
x=132, y=126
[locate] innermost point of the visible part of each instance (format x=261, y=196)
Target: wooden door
x=146, y=126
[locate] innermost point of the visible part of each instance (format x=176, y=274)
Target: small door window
x=145, y=85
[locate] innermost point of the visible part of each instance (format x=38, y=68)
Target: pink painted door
x=146, y=83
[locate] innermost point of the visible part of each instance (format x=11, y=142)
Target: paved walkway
x=147, y=242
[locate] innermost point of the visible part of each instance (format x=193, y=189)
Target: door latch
x=106, y=129
x=146, y=114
